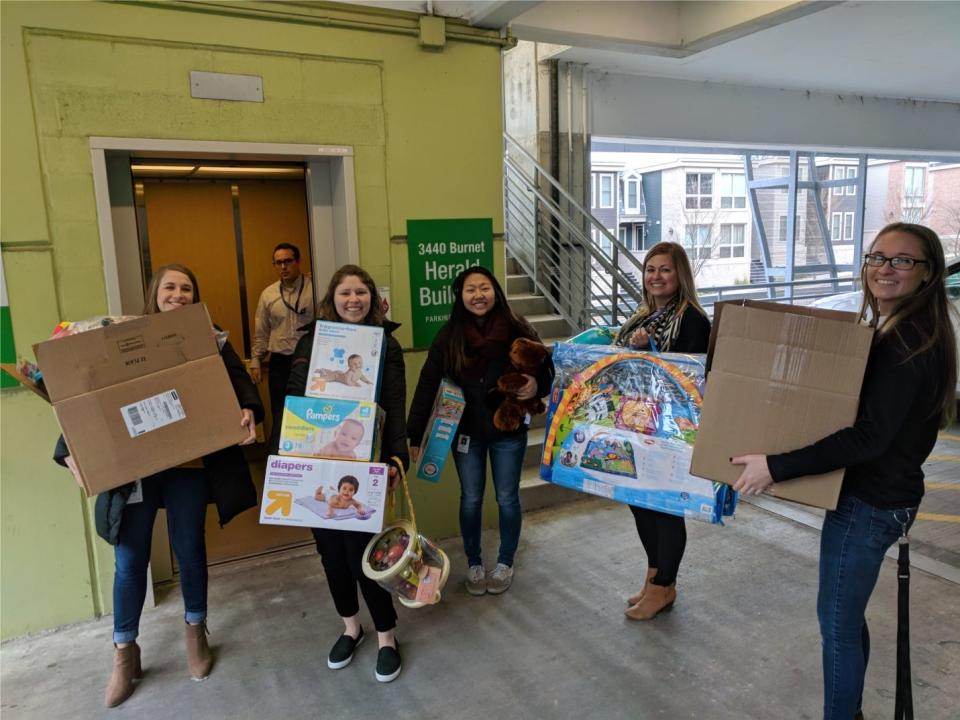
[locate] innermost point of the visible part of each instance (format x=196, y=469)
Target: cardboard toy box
x=331, y=428
x=346, y=361
x=621, y=424
x=780, y=377
x=441, y=428
x=140, y=396
x=291, y=497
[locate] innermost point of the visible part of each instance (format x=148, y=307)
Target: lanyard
x=295, y=309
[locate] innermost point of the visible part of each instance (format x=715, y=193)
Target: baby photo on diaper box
x=336, y=494
x=346, y=361
x=330, y=428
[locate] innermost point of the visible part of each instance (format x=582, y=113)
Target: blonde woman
x=669, y=320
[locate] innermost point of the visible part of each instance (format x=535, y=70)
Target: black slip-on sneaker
x=342, y=652
x=388, y=663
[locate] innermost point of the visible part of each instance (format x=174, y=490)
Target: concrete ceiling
x=901, y=48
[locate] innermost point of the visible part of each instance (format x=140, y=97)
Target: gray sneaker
x=476, y=581
x=499, y=579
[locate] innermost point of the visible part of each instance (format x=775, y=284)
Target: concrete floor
x=741, y=642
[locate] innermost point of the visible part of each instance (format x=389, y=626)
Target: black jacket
x=694, y=333
x=481, y=395
x=229, y=484
x=393, y=391
x=895, y=430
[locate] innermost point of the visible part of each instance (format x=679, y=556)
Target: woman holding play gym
x=352, y=297
x=669, y=320
x=908, y=394
x=125, y=515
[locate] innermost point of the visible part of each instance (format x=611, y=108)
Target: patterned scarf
x=663, y=325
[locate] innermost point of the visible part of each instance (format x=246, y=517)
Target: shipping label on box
x=441, y=429
x=781, y=377
x=330, y=428
x=141, y=396
x=335, y=494
x=346, y=361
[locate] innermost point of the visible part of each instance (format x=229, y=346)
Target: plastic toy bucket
x=406, y=563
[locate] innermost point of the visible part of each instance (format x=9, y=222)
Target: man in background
x=284, y=308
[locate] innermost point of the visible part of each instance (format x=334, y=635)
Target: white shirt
x=276, y=323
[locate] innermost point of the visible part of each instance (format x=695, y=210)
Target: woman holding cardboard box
x=669, y=320
x=473, y=349
x=908, y=394
x=352, y=297
x=125, y=515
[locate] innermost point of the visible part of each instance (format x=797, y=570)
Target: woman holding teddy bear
x=473, y=350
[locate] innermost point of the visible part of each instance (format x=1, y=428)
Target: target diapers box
x=335, y=494
x=780, y=377
x=141, y=396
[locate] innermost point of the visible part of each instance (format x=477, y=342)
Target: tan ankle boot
x=655, y=600
x=126, y=669
x=634, y=599
x=199, y=657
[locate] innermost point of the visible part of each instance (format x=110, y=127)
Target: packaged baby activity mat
x=621, y=424
x=336, y=494
x=346, y=362
x=441, y=428
x=331, y=428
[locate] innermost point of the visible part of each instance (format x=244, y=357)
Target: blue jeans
x=183, y=492
x=852, y=545
x=506, y=459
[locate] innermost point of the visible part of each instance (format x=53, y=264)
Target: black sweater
x=482, y=398
x=393, y=391
x=693, y=335
x=895, y=429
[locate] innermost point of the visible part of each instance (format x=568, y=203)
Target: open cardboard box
x=780, y=377
x=140, y=396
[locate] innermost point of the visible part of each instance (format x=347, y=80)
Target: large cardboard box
x=346, y=361
x=299, y=491
x=780, y=377
x=331, y=428
x=441, y=428
x=140, y=396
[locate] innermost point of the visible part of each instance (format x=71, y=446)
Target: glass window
x=733, y=191
x=836, y=226
x=606, y=191
x=848, y=227
x=731, y=241
x=851, y=173
x=912, y=194
x=633, y=194
x=623, y=236
x=699, y=191
x=696, y=240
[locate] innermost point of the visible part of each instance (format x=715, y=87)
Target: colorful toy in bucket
x=405, y=562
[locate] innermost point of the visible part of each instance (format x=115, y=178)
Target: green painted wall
x=426, y=131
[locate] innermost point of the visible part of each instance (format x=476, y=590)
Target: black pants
x=664, y=538
x=341, y=552
x=277, y=378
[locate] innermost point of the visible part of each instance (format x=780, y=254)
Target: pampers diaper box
x=441, y=428
x=331, y=428
x=346, y=362
x=335, y=494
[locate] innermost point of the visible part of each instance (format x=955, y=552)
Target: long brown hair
x=930, y=301
x=687, y=290
x=326, y=310
x=150, y=299
x=460, y=316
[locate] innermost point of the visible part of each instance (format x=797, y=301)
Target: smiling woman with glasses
x=908, y=394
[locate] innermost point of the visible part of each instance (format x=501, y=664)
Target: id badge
x=463, y=444
x=137, y=494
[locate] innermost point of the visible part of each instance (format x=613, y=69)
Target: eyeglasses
x=897, y=263
x=285, y=262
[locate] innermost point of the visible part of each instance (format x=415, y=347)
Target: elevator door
x=225, y=231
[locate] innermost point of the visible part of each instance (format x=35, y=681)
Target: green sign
x=8, y=352
x=438, y=251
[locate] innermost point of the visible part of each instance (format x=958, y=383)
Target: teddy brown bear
x=526, y=358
